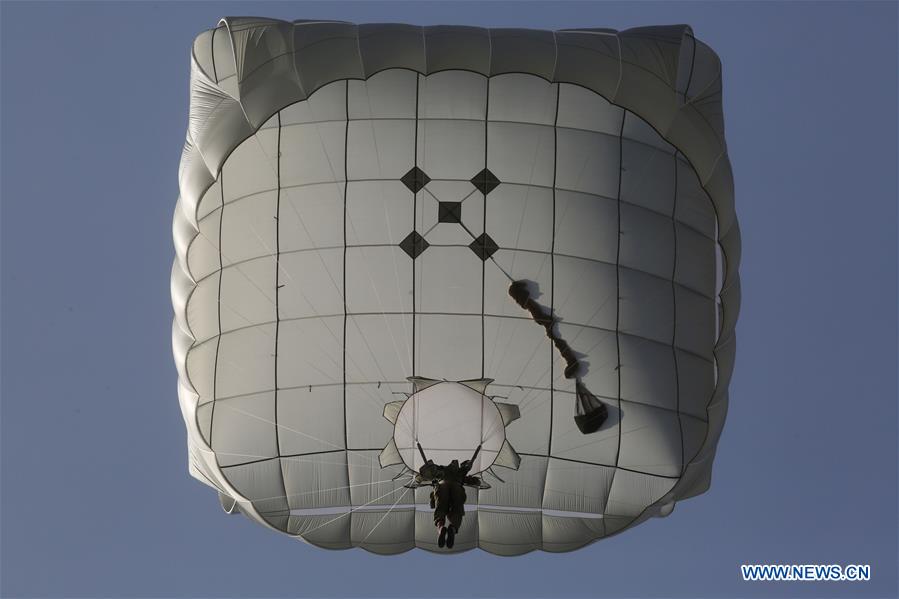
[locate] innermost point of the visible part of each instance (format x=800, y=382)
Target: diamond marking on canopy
x=415, y=179
x=485, y=181
x=483, y=246
x=414, y=244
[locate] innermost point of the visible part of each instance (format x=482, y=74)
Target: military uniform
x=448, y=497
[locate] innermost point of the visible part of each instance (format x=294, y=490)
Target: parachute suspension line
x=250, y=323
x=384, y=517
x=372, y=399
x=383, y=315
x=254, y=326
x=305, y=493
x=526, y=363
x=276, y=253
x=527, y=196
x=525, y=398
x=234, y=263
x=309, y=234
x=336, y=181
x=590, y=412
x=371, y=279
x=365, y=256
x=301, y=433
x=315, y=312
x=351, y=510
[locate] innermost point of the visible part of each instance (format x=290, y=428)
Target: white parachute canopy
x=391, y=235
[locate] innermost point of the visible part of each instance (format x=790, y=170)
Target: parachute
x=391, y=236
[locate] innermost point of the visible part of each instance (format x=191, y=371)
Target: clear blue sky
x=96, y=499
